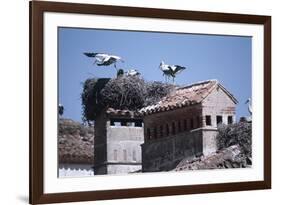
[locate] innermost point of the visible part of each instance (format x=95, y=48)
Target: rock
x=226, y=158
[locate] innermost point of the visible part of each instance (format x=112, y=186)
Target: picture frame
x=37, y=194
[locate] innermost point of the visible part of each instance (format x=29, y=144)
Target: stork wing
x=106, y=58
x=107, y=62
x=91, y=55
x=117, y=58
x=178, y=69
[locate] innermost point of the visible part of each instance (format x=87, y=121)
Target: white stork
x=132, y=72
x=61, y=109
x=249, y=102
x=170, y=70
x=103, y=59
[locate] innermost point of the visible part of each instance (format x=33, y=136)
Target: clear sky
x=225, y=58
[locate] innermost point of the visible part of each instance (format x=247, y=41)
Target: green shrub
x=238, y=133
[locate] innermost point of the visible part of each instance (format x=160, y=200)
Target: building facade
x=184, y=124
x=118, y=138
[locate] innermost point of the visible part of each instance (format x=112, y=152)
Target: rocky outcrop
x=230, y=157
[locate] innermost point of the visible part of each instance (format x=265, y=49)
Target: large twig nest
x=123, y=92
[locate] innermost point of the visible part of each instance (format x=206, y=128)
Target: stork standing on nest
x=104, y=59
x=61, y=109
x=170, y=70
x=132, y=72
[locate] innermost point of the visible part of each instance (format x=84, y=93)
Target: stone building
x=184, y=124
x=118, y=139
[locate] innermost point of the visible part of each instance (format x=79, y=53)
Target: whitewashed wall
x=75, y=170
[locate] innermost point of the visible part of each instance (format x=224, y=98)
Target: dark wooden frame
x=37, y=9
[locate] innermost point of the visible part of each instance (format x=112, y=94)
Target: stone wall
x=164, y=154
x=218, y=103
x=119, y=147
x=100, y=155
x=209, y=141
x=172, y=122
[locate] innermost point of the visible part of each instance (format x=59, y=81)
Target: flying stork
x=170, y=70
x=104, y=59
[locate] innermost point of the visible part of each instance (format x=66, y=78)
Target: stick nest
x=124, y=92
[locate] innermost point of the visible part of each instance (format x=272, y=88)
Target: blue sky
x=225, y=58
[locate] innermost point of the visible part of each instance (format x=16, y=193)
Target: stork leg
x=115, y=67
x=95, y=62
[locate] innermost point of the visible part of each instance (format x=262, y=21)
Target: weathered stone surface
x=230, y=157
x=117, y=147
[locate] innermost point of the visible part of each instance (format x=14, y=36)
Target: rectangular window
x=191, y=124
x=138, y=124
x=179, y=126
x=125, y=155
x=123, y=123
x=208, y=120
x=134, y=155
x=198, y=121
x=167, y=130
x=155, y=133
x=115, y=154
x=219, y=119
x=173, y=128
x=185, y=125
x=161, y=130
x=229, y=120
x=148, y=134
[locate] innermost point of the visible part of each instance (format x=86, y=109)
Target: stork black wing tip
x=89, y=54
x=182, y=67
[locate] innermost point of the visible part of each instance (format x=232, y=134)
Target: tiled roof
x=75, y=142
x=185, y=96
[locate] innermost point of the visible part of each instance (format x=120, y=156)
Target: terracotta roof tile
x=185, y=96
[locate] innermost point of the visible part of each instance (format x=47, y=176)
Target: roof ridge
x=198, y=83
x=186, y=96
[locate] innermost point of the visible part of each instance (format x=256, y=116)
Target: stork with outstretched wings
x=171, y=70
x=104, y=59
